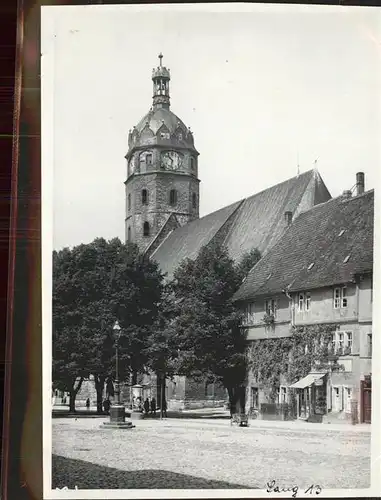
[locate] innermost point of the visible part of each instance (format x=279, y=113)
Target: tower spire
x=160, y=78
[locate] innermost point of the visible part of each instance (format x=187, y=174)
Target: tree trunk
x=162, y=394
x=236, y=399
x=99, y=387
x=73, y=394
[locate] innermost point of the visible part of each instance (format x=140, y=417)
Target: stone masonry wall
x=158, y=208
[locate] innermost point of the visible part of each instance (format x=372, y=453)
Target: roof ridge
x=304, y=174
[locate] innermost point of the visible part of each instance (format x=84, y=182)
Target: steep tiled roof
x=186, y=241
x=260, y=221
x=314, y=250
x=256, y=222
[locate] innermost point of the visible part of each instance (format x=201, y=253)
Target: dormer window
x=149, y=158
x=180, y=136
x=164, y=135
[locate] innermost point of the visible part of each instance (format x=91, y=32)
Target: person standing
x=165, y=408
x=153, y=406
x=146, y=406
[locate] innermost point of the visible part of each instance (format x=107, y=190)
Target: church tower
x=162, y=186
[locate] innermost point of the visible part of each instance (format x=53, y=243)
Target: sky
x=262, y=87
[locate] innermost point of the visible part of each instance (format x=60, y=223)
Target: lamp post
x=117, y=409
x=116, y=330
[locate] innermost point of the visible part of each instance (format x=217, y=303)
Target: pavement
x=183, y=451
x=213, y=415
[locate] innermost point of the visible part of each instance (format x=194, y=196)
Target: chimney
x=288, y=218
x=360, y=183
x=347, y=194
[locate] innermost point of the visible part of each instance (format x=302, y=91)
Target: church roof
x=255, y=222
x=156, y=118
x=260, y=221
x=186, y=241
x=325, y=246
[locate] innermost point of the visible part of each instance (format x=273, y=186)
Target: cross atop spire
x=161, y=59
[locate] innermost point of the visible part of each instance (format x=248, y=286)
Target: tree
x=247, y=262
x=162, y=345
x=93, y=286
x=207, y=324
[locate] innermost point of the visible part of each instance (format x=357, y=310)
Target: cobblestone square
x=210, y=454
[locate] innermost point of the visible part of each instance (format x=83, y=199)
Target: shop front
x=311, y=396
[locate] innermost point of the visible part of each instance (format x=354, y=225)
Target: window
x=144, y=197
x=250, y=314
x=344, y=301
x=129, y=234
x=149, y=159
x=333, y=342
x=180, y=136
x=301, y=302
x=129, y=201
x=146, y=229
x=270, y=307
x=172, y=197
x=164, y=135
x=370, y=345
x=340, y=343
x=254, y=397
x=304, y=302
x=194, y=200
x=348, y=343
x=336, y=299
x=340, y=297
x=192, y=163
x=308, y=301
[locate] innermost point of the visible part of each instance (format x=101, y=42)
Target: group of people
x=150, y=407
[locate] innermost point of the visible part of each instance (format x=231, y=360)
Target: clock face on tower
x=171, y=160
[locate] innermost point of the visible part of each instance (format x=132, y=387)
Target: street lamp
x=117, y=409
x=116, y=329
